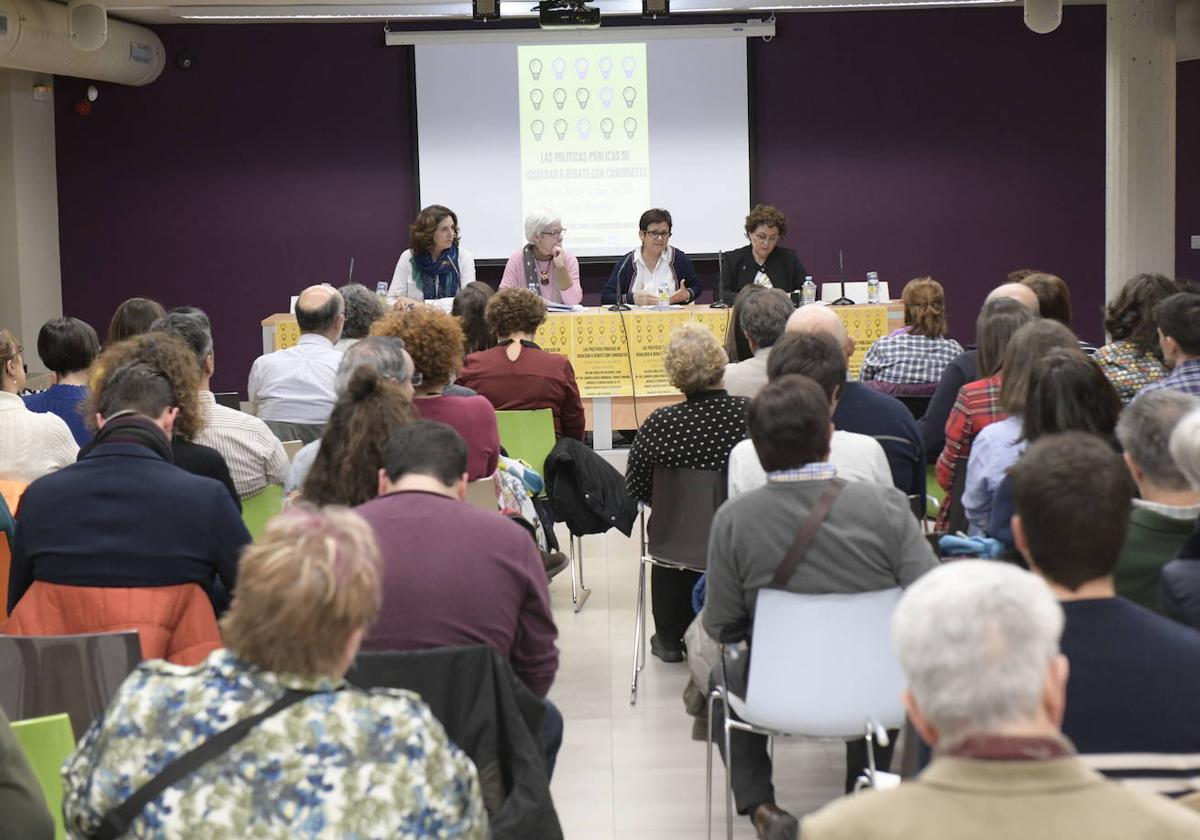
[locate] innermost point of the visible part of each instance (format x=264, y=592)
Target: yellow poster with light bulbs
x=585, y=139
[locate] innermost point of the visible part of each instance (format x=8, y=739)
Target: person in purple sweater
x=455, y=574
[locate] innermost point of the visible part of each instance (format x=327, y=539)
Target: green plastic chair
x=528, y=435
x=47, y=742
x=258, y=509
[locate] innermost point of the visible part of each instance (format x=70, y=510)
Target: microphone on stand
x=719, y=296
x=350, y=277
x=843, y=300
x=621, y=305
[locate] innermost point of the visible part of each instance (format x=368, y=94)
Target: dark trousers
x=751, y=776
x=552, y=735
x=671, y=602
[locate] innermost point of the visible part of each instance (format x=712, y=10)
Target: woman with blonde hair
x=696, y=434
x=917, y=353
x=319, y=758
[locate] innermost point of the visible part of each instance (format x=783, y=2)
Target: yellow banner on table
x=600, y=355
x=865, y=325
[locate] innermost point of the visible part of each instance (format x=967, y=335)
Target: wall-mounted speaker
x=87, y=25
x=1043, y=16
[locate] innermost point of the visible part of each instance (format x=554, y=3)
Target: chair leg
x=639, y=632
x=728, y=772
x=579, y=592
x=708, y=786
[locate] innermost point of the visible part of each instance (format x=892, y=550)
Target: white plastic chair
x=822, y=668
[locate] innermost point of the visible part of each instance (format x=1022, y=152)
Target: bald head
x=1018, y=292
x=817, y=318
x=319, y=309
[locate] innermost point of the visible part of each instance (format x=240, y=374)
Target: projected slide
x=585, y=147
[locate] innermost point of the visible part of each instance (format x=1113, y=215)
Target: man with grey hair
x=979, y=642
x=1179, y=587
x=763, y=318
x=387, y=356
x=363, y=308
x=1163, y=516
x=292, y=389
x=254, y=454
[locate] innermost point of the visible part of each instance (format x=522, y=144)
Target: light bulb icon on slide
x=537, y=127
x=584, y=126
x=559, y=66
x=630, y=127
x=582, y=95
x=560, y=129
x=606, y=127
x=605, y=66
x=560, y=98
x=536, y=96
x=581, y=67
x=628, y=64
x=606, y=97
x=535, y=68
x=629, y=95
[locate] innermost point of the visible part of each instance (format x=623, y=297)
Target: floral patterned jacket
x=341, y=764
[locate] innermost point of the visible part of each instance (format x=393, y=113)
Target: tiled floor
x=633, y=772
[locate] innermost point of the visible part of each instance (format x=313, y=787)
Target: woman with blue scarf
x=434, y=266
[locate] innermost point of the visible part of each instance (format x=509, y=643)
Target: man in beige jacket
x=987, y=684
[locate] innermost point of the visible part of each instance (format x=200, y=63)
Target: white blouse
x=402, y=278
x=32, y=444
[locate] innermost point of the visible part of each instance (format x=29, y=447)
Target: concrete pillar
x=30, y=276
x=1140, y=128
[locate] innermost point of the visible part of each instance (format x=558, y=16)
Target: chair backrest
x=78, y=675
x=258, y=509
x=229, y=399
x=47, y=742
x=684, y=503
x=5, y=573
x=482, y=494
x=291, y=447
x=822, y=665
x=528, y=435
x=917, y=404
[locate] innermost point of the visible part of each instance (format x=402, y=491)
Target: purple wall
x=1187, y=170
x=951, y=142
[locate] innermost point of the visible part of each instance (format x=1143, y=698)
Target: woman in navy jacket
x=636, y=276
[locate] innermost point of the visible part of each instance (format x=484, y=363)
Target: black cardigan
x=739, y=269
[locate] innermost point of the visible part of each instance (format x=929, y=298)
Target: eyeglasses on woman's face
x=556, y=233
x=659, y=234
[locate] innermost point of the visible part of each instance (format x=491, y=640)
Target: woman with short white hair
x=542, y=265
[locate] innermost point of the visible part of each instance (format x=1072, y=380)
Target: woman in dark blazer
x=763, y=261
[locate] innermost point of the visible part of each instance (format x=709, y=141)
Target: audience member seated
x=345, y=470
x=867, y=412
x=469, y=307
x=1054, y=299
x=696, y=434
x=124, y=515
x=133, y=318
x=762, y=317
x=1003, y=313
x=1133, y=359
x=253, y=454
x=1063, y=392
x=986, y=401
x=911, y=359
x=868, y=541
x=387, y=357
x=1179, y=586
x=477, y=579
x=764, y=262
x=175, y=360
x=638, y=276
x=31, y=444
x=1134, y=675
x=979, y=643
x=1178, y=320
x=68, y=347
x=434, y=341
x=854, y=457
x=542, y=260
x=517, y=374
x=1167, y=505
x=434, y=266
x=327, y=761
x=363, y=308
x=737, y=348
x=22, y=803
x=292, y=389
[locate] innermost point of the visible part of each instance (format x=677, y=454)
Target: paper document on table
x=554, y=306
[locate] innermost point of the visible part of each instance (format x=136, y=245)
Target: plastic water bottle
x=664, y=294
x=381, y=289
x=872, y=287
x=808, y=291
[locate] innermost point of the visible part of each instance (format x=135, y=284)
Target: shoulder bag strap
x=117, y=821
x=807, y=531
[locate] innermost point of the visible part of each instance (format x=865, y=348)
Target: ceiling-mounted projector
x=567, y=14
